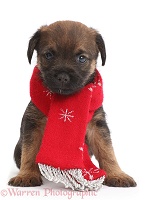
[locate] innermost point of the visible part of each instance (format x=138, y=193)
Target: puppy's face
x=66, y=52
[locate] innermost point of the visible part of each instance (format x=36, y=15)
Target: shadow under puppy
x=67, y=52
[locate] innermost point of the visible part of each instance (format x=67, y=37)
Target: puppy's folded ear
x=33, y=43
x=101, y=47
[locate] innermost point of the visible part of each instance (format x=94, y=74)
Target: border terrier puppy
x=66, y=56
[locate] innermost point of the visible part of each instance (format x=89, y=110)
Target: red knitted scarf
x=63, y=155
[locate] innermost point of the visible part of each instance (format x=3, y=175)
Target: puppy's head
x=66, y=54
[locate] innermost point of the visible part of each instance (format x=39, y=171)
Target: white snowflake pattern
x=81, y=149
x=91, y=88
x=48, y=92
x=89, y=172
x=99, y=83
x=66, y=115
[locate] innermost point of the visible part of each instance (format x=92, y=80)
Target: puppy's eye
x=49, y=55
x=82, y=59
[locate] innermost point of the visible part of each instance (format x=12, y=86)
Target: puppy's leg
x=32, y=129
x=99, y=142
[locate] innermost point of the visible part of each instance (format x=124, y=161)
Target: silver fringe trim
x=72, y=178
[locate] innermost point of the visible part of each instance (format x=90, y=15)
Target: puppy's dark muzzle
x=63, y=81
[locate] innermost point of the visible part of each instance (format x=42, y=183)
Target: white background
x=122, y=25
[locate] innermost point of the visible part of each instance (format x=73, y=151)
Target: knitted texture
x=63, y=155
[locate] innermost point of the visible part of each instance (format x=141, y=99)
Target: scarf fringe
x=71, y=178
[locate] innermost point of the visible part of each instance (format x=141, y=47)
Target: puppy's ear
x=101, y=47
x=33, y=43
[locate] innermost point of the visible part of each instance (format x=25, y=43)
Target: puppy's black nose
x=63, y=78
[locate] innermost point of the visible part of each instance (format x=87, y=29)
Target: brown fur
x=25, y=152
x=67, y=40
x=98, y=135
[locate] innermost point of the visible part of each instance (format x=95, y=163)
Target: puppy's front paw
x=119, y=180
x=25, y=181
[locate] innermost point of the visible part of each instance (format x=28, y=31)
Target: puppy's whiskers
x=59, y=91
